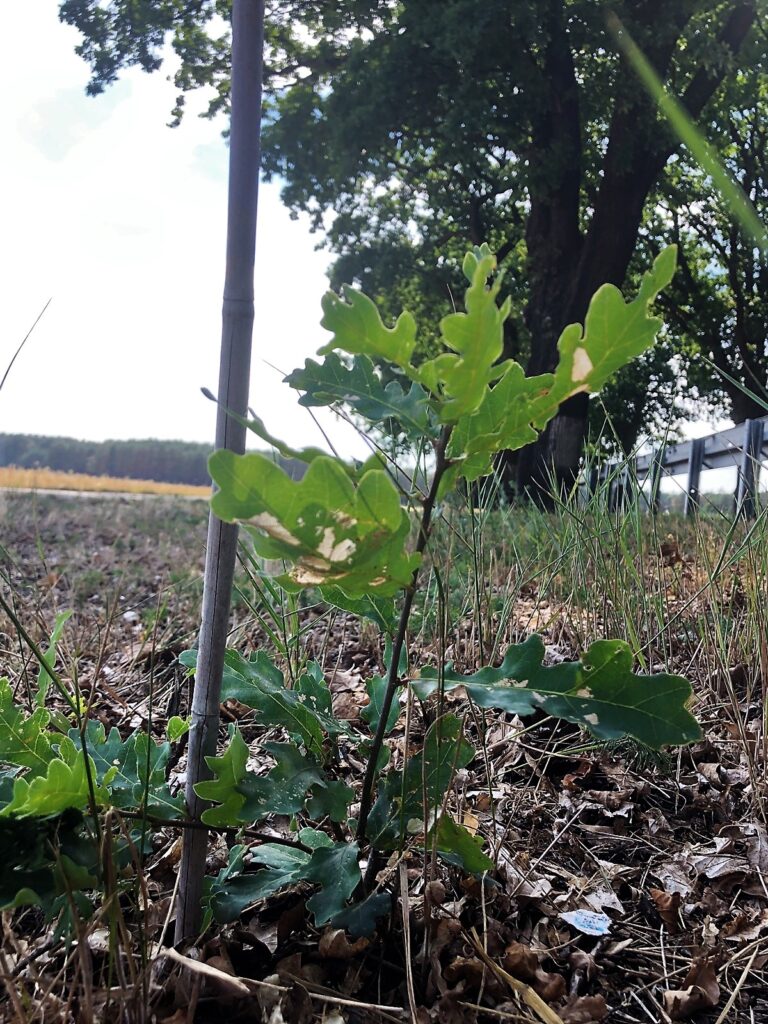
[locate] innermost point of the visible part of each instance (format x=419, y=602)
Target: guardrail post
x=594, y=481
x=693, y=485
x=657, y=471
x=745, y=497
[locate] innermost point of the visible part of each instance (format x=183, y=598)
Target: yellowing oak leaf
x=332, y=530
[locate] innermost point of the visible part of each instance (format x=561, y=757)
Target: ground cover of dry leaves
x=668, y=854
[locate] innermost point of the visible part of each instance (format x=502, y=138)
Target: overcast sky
x=120, y=220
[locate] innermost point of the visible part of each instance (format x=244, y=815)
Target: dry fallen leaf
x=522, y=963
x=700, y=991
x=584, y=1010
x=668, y=907
x=334, y=943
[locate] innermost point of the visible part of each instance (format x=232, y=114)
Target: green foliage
x=491, y=405
x=303, y=712
x=44, y=678
x=525, y=127
x=24, y=739
x=68, y=783
x=132, y=771
x=614, y=333
x=334, y=869
x=514, y=409
x=244, y=797
x=332, y=529
x=359, y=387
x=458, y=846
x=407, y=799
x=45, y=858
x=174, y=462
x=600, y=693
x=348, y=533
x=357, y=328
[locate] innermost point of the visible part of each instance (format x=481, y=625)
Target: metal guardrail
x=744, y=446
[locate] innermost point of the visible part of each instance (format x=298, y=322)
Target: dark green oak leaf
x=336, y=870
x=359, y=387
x=600, y=692
x=330, y=800
x=359, y=919
x=405, y=799
x=244, y=797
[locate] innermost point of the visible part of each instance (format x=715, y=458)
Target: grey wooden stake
x=693, y=486
x=234, y=374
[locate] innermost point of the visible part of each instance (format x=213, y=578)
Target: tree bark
x=566, y=267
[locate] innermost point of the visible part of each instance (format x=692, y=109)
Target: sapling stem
x=393, y=678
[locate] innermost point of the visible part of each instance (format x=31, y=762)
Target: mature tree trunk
x=567, y=266
x=744, y=407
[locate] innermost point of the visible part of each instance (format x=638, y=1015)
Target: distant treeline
x=174, y=462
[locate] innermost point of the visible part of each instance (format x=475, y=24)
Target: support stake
x=234, y=374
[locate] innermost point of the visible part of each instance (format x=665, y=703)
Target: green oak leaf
x=614, y=333
x=313, y=838
x=285, y=865
x=276, y=705
x=177, y=727
x=458, y=846
x=359, y=387
x=600, y=692
x=336, y=870
x=228, y=770
x=380, y=610
x=256, y=682
x=333, y=530
x=284, y=789
x=43, y=859
x=376, y=688
x=244, y=797
x=330, y=800
x=24, y=739
x=476, y=341
x=359, y=920
x=501, y=423
x=65, y=785
x=418, y=791
x=131, y=769
x=357, y=328
x=311, y=685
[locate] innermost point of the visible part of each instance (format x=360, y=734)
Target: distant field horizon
x=43, y=479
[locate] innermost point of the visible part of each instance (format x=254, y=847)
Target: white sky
x=121, y=221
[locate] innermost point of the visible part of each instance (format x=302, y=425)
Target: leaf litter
x=623, y=889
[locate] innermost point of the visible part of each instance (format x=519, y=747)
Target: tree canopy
x=408, y=129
